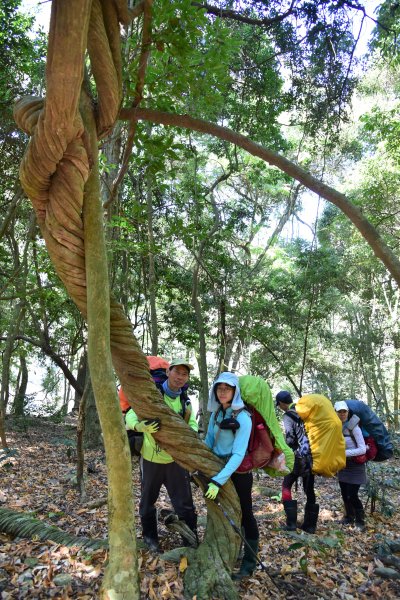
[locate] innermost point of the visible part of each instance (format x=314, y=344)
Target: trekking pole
x=205, y=480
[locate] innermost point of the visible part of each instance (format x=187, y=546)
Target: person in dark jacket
x=296, y=438
x=354, y=474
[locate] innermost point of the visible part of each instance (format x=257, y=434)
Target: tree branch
x=235, y=16
x=367, y=230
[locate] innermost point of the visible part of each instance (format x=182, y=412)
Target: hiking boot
x=166, y=512
x=290, y=508
x=311, y=513
x=249, y=561
x=171, y=518
x=360, y=518
x=151, y=543
x=349, y=514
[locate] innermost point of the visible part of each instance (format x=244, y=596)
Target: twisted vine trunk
x=59, y=174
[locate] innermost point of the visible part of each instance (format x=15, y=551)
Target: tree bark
x=81, y=378
x=92, y=433
x=152, y=272
x=80, y=452
x=396, y=382
x=367, y=230
x=20, y=392
x=121, y=576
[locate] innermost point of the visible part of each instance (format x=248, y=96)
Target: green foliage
x=21, y=71
x=321, y=545
x=382, y=478
x=386, y=33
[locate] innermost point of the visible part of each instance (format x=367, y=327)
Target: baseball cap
x=284, y=397
x=176, y=362
x=341, y=405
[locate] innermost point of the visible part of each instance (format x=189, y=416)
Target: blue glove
x=212, y=491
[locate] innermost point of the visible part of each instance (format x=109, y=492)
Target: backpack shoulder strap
x=293, y=415
x=235, y=413
x=185, y=404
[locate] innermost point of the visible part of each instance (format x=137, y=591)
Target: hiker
x=158, y=467
x=228, y=437
x=296, y=438
x=354, y=474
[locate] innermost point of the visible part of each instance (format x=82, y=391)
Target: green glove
x=148, y=426
x=212, y=491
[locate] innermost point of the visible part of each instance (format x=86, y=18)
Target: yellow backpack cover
x=324, y=431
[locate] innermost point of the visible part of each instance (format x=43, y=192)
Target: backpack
x=158, y=371
x=260, y=447
x=256, y=392
x=377, y=434
x=324, y=432
x=372, y=449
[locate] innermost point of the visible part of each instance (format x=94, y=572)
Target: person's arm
x=290, y=431
x=359, y=440
x=131, y=419
x=209, y=439
x=238, y=452
x=192, y=420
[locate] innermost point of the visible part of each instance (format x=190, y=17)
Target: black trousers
x=302, y=469
x=177, y=483
x=350, y=494
x=243, y=483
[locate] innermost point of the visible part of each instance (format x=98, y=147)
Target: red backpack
x=260, y=447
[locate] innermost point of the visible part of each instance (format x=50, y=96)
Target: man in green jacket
x=157, y=466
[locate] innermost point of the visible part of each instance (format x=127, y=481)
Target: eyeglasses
x=225, y=388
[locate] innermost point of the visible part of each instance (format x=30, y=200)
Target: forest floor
x=337, y=562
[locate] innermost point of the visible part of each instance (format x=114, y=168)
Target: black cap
x=284, y=397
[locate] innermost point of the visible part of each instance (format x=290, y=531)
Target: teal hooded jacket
x=228, y=445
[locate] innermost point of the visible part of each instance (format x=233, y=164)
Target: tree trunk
x=203, y=399
x=152, y=272
x=80, y=452
x=121, y=576
x=236, y=355
x=20, y=392
x=18, y=315
x=396, y=382
x=81, y=378
x=92, y=432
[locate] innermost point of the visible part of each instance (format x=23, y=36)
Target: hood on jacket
x=230, y=379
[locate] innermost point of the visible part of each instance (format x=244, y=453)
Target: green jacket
x=255, y=391
x=151, y=451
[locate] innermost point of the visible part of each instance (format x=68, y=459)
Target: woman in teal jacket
x=225, y=402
